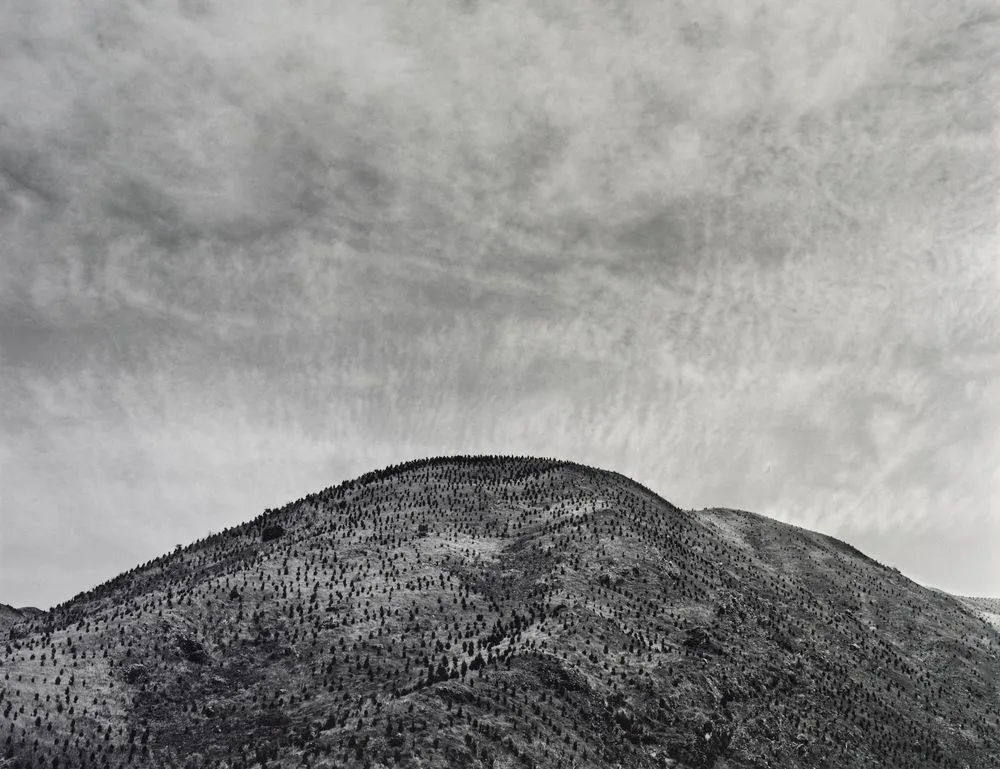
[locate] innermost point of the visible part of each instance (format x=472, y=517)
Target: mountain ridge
x=505, y=611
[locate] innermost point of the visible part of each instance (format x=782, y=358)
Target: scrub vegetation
x=503, y=612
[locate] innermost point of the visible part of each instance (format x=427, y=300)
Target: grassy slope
x=505, y=613
x=9, y=616
x=987, y=608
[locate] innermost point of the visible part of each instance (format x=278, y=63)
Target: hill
x=987, y=608
x=504, y=612
x=9, y=616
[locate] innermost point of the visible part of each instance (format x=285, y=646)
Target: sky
x=744, y=253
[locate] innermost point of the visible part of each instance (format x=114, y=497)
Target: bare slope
x=987, y=608
x=501, y=613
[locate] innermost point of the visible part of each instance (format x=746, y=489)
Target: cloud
x=744, y=255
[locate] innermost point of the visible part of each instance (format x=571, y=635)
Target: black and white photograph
x=499, y=384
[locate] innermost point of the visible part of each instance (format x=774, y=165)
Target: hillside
x=503, y=612
x=987, y=608
x=10, y=616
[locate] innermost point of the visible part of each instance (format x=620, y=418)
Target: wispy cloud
x=745, y=255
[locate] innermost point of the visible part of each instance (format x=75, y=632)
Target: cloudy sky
x=745, y=253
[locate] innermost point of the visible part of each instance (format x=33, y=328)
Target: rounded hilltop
x=503, y=611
